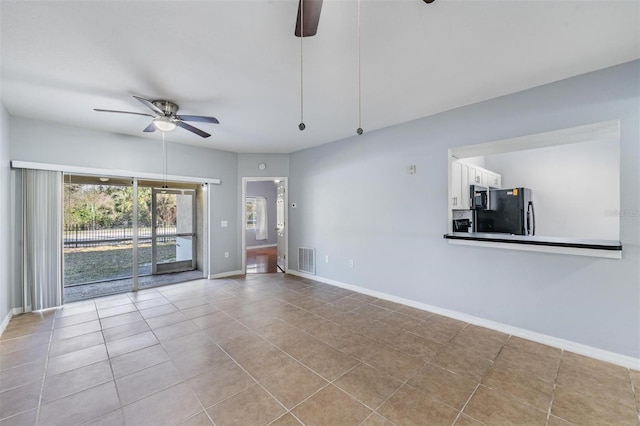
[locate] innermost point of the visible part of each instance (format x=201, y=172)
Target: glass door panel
x=97, y=236
x=173, y=233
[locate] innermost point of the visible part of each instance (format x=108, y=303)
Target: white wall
x=37, y=141
x=5, y=216
x=575, y=187
x=357, y=201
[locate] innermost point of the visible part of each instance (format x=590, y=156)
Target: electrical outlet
x=226, y=254
x=351, y=264
x=326, y=258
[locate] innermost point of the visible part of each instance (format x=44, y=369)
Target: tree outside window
x=251, y=213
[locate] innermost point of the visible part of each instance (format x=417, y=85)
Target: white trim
x=206, y=246
x=590, y=351
x=7, y=319
x=605, y=130
x=5, y=322
x=264, y=246
x=609, y=254
x=18, y=164
x=225, y=275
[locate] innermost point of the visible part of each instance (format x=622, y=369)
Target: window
x=250, y=213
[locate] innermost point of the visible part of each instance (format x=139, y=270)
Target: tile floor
x=281, y=350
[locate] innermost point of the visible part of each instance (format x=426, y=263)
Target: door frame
x=243, y=213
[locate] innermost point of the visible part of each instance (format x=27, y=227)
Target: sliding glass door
x=174, y=230
x=119, y=233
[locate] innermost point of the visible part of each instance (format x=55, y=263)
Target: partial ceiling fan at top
x=310, y=17
x=165, y=117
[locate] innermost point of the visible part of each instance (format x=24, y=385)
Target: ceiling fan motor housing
x=169, y=108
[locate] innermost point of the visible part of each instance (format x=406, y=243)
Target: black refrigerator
x=508, y=211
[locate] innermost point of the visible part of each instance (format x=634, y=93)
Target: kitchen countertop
x=579, y=243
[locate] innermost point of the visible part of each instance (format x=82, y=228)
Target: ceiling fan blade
x=150, y=128
x=192, y=129
x=311, y=16
x=198, y=118
x=123, y=112
x=150, y=105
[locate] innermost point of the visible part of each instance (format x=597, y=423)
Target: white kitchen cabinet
x=494, y=180
x=459, y=186
x=456, y=186
x=481, y=177
x=463, y=175
x=465, y=203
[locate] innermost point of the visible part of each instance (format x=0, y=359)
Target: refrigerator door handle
x=531, y=219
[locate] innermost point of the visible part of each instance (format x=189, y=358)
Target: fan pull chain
x=301, y=126
x=359, y=131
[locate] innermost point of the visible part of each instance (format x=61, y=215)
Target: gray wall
x=5, y=215
x=266, y=189
x=277, y=165
x=357, y=201
x=38, y=141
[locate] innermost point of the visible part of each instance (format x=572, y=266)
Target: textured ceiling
x=240, y=62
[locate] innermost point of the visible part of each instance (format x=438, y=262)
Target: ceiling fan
x=165, y=117
x=310, y=17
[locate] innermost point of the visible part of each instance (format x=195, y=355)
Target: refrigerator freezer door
x=507, y=212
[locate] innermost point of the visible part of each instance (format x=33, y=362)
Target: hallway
x=263, y=261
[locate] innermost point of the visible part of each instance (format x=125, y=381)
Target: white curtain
x=262, y=232
x=42, y=239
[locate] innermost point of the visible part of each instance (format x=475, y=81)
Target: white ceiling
x=240, y=62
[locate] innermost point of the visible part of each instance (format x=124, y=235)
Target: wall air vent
x=307, y=260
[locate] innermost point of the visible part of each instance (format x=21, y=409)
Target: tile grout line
x=635, y=390
x=46, y=367
x=360, y=361
x=555, y=387
x=467, y=403
x=113, y=376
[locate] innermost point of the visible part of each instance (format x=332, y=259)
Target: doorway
x=264, y=225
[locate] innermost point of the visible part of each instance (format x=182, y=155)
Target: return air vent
x=307, y=260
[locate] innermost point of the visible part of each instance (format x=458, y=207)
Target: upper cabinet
x=494, y=180
x=456, y=186
x=463, y=175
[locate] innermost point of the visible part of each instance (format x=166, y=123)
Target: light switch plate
x=224, y=223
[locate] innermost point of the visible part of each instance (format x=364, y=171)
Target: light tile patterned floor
x=281, y=350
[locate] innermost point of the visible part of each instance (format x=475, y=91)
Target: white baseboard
x=225, y=274
x=7, y=318
x=264, y=246
x=590, y=351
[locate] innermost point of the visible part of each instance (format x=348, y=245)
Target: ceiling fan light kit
x=164, y=124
